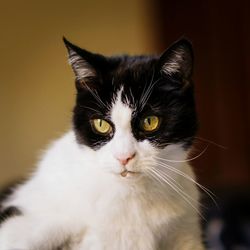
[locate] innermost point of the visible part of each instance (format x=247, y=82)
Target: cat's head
x=130, y=110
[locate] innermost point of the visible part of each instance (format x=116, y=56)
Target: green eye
x=150, y=123
x=101, y=126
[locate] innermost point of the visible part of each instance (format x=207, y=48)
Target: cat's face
x=131, y=110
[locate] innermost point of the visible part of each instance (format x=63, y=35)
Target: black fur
x=171, y=97
x=8, y=212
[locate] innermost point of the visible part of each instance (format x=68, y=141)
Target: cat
x=120, y=178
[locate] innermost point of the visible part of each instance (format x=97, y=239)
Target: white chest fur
x=128, y=219
x=70, y=199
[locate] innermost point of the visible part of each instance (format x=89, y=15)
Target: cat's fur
x=77, y=198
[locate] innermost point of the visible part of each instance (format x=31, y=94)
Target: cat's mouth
x=126, y=173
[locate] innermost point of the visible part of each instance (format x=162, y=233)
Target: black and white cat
x=120, y=180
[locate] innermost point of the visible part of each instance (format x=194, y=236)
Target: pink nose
x=125, y=159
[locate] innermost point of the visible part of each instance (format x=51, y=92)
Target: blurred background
x=37, y=89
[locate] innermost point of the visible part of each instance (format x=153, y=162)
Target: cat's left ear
x=84, y=64
x=178, y=61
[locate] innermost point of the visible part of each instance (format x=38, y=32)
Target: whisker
x=187, y=160
x=180, y=186
x=96, y=96
x=176, y=189
x=145, y=96
x=144, y=89
x=147, y=91
x=155, y=177
x=177, y=171
x=86, y=107
x=152, y=164
x=211, y=142
x=206, y=190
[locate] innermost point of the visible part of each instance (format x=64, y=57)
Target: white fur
x=78, y=194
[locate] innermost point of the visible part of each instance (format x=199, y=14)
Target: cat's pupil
x=100, y=122
x=148, y=121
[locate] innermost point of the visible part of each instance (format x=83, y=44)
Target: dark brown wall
x=220, y=32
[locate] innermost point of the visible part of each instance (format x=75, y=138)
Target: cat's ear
x=84, y=64
x=178, y=60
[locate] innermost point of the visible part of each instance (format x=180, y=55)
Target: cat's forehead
x=134, y=69
x=130, y=80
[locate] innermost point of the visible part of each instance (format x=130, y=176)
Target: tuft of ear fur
x=78, y=62
x=177, y=60
x=87, y=66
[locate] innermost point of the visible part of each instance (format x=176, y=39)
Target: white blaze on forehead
x=121, y=114
x=123, y=142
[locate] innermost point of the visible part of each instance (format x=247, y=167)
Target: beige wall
x=36, y=83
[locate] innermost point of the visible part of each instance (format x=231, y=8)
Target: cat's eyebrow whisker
x=206, y=190
x=91, y=109
x=143, y=92
x=187, y=160
x=178, y=190
x=96, y=96
x=146, y=94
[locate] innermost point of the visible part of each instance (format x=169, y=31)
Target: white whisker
x=206, y=190
x=155, y=177
x=176, y=189
x=211, y=142
x=177, y=171
x=179, y=185
x=187, y=160
x=96, y=96
x=146, y=94
x=95, y=110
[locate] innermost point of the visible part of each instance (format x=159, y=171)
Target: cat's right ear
x=84, y=64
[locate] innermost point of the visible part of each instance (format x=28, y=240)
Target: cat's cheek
x=174, y=152
x=106, y=160
x=146, y=149
x=146, y=154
